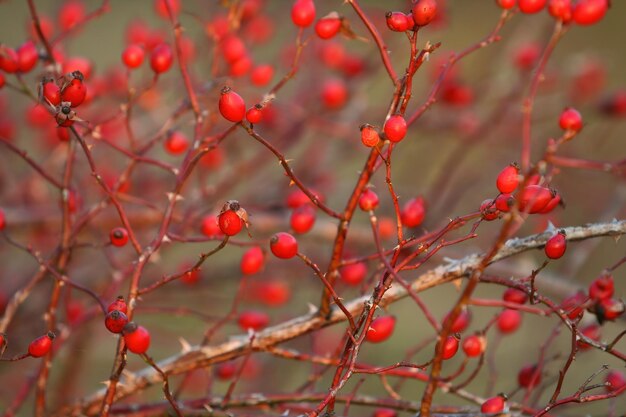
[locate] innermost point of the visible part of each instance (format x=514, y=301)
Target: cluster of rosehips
x=582, y=12
x=422, y=13
x=63, y=95
x=136, y=338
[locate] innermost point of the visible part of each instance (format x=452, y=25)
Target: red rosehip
x=2, y=80
x=494, y=405
x=413, y=212
x=27, y=56
x=368, y=200
x=74, y=92
x=210, y=226
x=226, y=370
x=328, y=26
x=118, y=236
x=424, y=11
x=303, y=13
x=51, y=92
x=555, y=201
x=608, y=309
x=385, y=412
x=2, y=220
x=474, y=345
x=252, y=261
x=353, y=274
x=588, y=12
x=261, y=75
x=462, y=321
x=531, y=6
x=161, y=58
x=602, y=287
x=133, y=56
x=395, y=128
x=233, y=48
x=506, y=4
x=78, y=63
x=115, y=321
x=176, y=143
x=334, y=93
x=614, y=380
x=274, y=293
x=509, y=321
x=513, y=295
x=534, y=198
x=571, y=120
x=380, y=329
x=41, y=346
x=255, y=320
x=302, y=219
x=526, y=56
x=255, y=114
x=162, y=10
x=450, y=347
x=488, y=210
x=369, y=136
x=283, y=245
x=574, y=305
x=528, y=376
x=63, y=133
x=556, y=245
x=231, y=105
x=119, y=304
x=229, y=222
x=508, y=179
x=9, y=59
x=71, y=13
x=136, y=338
x=399, y=22
x=297, y=197
x=592, y=332
x=504, y=202
x=241, y=66
x=561, y=9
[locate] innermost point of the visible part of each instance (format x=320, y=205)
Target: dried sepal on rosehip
x=65, y=116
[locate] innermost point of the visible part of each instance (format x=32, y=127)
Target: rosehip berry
x=533, y=198
x=27, y=56
x=573, y=305
x=51, y=92
x=133, y=56
x=75, y=92
x=328, y=26
x=592, y=332
x=176, y=143
x=9, y=60
x=506, y=4
x=261, y=75
x=252, y=261
x=2, y=220
x=588, y=12
x=41, y=346
x=190, y=276
x=274, y=293
x=353, y=274
x=302, y=219
x=561, y=9
x=296, y=198
x=115, y=321
x=509, y=321
x=119, y=236
x=608, y=309
x=424, y=11
x=571, y=120
x=385, y=412
x=513, y=295
x=3, y=343
x=494, y=405
x=161, y=58
x=528, y=376
x=380, y=329
x=303, y=13
x=119, y=304
x=615, y=380
x=255, y=320
x=526, y=56
x=210, y=227
x=450, y=347
x=488, y=210
x=70, y=14
x=413, y=212
x=225, y=371
x=334, y=94
x=229, y=222
x=161, y=8
x=508, y=179
x=136, y=338
x=368, y=200
x=283, y=245
x=233, y=48
x=462, y=321
x=2, y=80
x=63, y=134
x=602, y=287
x=555, y=201
x=395, y=128
x=504, y=202
x=474, y=345
x=369, y=136
x=241, y=66
x=556, y=245
x=231, y=105
x=399, y=22
x=77, y=63
x=531, y=6
x=255, y=114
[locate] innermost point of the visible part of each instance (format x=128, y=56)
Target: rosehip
x=399, y=22
x=252, y=261
x=533, y=198
x=555, y=201
x=488, y=210
x=608, y=309
x=231, y=105
x=369, y=136
x=528, y=376
x=494, y=405
x=210, y=227
x=474, y=345
x=615, y=380
x=161, y=7
x=255, y=114
x=526, y=56
x=2, y=220
x=161, y=58
x=27, y=56
x=303, y=13
x=424, y=11
x=51, y=92
x=136, y=338
x=226, y=370
x=233, y=48
x=368, y=200
x=274, y=293
x=602, y=287
x=302, y=219
x=413, y=212
x=395, y=128
x=380, y=329
x=118, y=236
x=353, y=274
x=556, y=245
x=261, y=75
x=9, y=59
x=118, y=304
x=70, y=14
x=506, y=4
x=75, y=92
x=509, y=320
x=571, y=120
x=508, y=179
x=328, y=26
x=573, y=306
x=504, y=202
x=63, y=134
x=334, y=94
x=115, y=321
x=255, y=320
x=531, y=6
x=561, y=9
x=592, y=332
x=462, y=321
x=450, y=347
x=513, y=295
x=133, y=56
x=588, y=12
x=385, y=412
x=229, y=222
x=283, y=245
x=176, y=143
x=41, y=345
